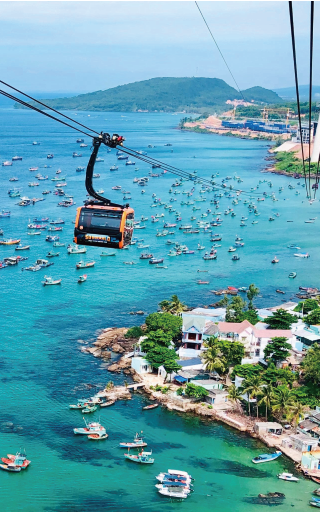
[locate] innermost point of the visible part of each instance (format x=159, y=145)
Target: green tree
x=267, y=393
x=234, y=309
x=252, y=388
x=163, y=356
x=197, y=392
x=246, y=371
x=166, y=322
x=222, y=354
x=311, y=365
x=283, y=401
x=223, y=302
x=277, y=350
x=277, y=376
x=297, y=413
x=134, y=332
x=252, y=293
x=307, y=306
x=251, y=315
x=174, y=306
x=155, y=339
x=313, y=318
x=235, y=396
x=281, y=319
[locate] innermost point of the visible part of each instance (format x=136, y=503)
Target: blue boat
x=266, y=457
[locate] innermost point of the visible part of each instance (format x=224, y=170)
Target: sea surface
x=42, y=369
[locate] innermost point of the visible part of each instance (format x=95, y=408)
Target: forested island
x=164, y=95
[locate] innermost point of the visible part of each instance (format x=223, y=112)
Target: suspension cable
x=310, y=91
x=224, y=60
x=47, y=107
x=297, y=92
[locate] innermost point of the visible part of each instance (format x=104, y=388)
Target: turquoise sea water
x=41, y=367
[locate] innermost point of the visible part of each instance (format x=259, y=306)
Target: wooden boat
x=137, y=442
x=83, y=278
x=89, y=408
x=317, y=491
x=90, y=428
x=292, y=275
x=51, y=254
x=10, y=241
x=98, y=437
x=10, y=467
x=141, y=458
x=19, y=460
x=108, y=254
x=49, y=281
x=33, y=233
x=266, y=457
x=22, y=247
x=315, y=479
x=151, y=406
x=83, y=264
x=202, y=282
x=275, y=260
x=280, y=291
x=107, y=404
x=75, y=249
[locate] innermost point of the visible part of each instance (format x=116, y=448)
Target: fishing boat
x=107, y=253
x=10, y=467
x=50, y=281
x=232, y=249
x=146, y=256
x=155, y=261
x=141, y=458
x=75, y=249
x=302, y=255
x=58, y=221
x=209, y=256
x=5, y=213
x=83, y=264
x=293, y=246
x=266, y=457
x=51, y=238
x=83, y=278
x=292, y=275
x=107, y=404
x=7, y=163
x=275, y=260
x=76, y=155
x=21, y=247
x=202, y=282
x=312, y=503
x=99, y=436
x=10, y=241
x=151, y=406
x=288, y=477
x=173, y=491
x=90, y=428
x=18, y=460
x=52, y=254
x=235, y=257
x=137, y=442
x=89, y=408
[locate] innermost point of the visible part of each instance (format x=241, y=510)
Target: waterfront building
x=268, y=427
x=217, y=397
x=301, y=443
x=311, y=460
x=197, y=326
x=141, y=365
x=308, y=336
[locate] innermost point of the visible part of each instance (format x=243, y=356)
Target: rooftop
x=272, y=333
x=307, y=335
x=268, y=424
x=206, y=312
x=234, y=327
x=190, y=362
x=211, y=328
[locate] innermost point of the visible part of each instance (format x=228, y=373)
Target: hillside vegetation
x=164, y=94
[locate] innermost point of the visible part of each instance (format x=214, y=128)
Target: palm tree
x=252, y=388
x=267, y=392
x=214, y=361
x=297, y=412
x=174, y=306
x=235, y=396
x=283, y=401
x=252, y=292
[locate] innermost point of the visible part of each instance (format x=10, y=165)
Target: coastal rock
x=118, y=393
x=117, y=348
x=122, y=364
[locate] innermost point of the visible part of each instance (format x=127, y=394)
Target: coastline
x=225, y=413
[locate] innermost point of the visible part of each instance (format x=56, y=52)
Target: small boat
x=312, y=503
x=173, y=492
x=317, y=491
x=293, y=246
x=155, y=261
x=129, y=162
x=83, y=278
x=35, y=143
x=80, y=140
x=302, y=255
x=89, y=408
x=275, y=260
x=288, y=477
x=83, y=264
x=232, y=249
x=146, y=256
x=151, y=406
x=52, y=254
x=7, y=163
x=107, y=404
x=10, y=241
x=90, y=428
x=58, y=221
x=211, y=256
x=266, y=457
x=202, y=282
x=98, y=436
x=137, y=442
x=21, y=247
x=292, y=275
x=108, y=254
x=83, y=145
x=18, y=460
x=10, y=467
x=50, y=156
x=280, y=291
x=58, y=244
x=51, y=238
x=141, y=458
x=235, y=257
x=76, y=155
x=50, y=281
x=75, y=249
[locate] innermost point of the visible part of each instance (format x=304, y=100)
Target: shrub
x=134, y=332
x=180, y=391
x=158, y=387
x=165, y=390
x=210, y=407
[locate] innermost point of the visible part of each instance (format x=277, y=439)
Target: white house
x=141, y=365
x=198, y=325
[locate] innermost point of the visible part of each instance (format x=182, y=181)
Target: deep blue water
x=41, y=367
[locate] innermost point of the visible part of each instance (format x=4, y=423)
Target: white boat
x=50, y=281
x=173, y=492
x=302, y=255
x=288, y=477
x=90, y=428
x=75, y=249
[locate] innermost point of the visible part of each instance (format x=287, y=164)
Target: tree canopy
x=281, y=319
x=173, y=306
x=167, y=322
x=156, y=338
x=277, y=350
x=307, y=306
x=313, y=318
x=163, y=356
x=222, y=354
x=252, y=292
x=194, y=391
x=311, y=365
x=134, y=332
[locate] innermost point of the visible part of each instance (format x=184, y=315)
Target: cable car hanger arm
x=112, y=142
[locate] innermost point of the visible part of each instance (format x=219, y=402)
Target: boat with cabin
x=83, y=278
x=266, y=457
x=288, y=477
x=137, y=442
x=140, y=458
x=75, y=249
x=90, y=428
x=49, y=281
x=83, y=264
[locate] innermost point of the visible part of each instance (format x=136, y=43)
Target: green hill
x=164, y=94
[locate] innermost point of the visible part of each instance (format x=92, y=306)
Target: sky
x=87, y=46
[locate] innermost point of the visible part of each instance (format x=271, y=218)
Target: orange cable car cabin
x=100, y=222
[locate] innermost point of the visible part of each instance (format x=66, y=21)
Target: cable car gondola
x=100, y=222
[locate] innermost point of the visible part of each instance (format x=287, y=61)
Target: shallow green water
x=42, y=369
